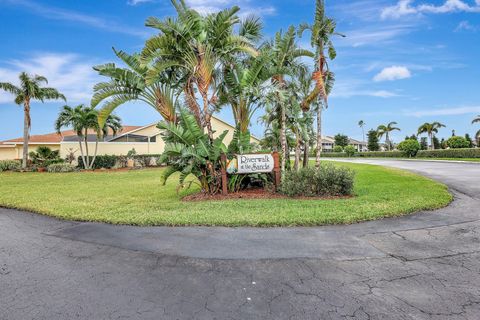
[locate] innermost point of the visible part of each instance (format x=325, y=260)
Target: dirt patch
x=252, y=194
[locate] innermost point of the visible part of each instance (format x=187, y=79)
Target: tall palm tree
x=322, y=29
x=128, y=84
x=30, y=89
x=84, y=120
x=284, y=55
x=385, y=130
x=195, y=47
x=243, y=88
x=477, y=135
x=361, y=124
x=430, y=129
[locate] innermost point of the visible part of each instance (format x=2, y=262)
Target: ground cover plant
x=137, y=197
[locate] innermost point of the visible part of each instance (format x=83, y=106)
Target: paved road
x=424, y=266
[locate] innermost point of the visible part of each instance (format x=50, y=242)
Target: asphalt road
x=424, y=266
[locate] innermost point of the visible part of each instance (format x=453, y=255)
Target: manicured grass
x=137, y=197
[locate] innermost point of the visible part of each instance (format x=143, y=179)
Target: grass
x=138, y=198
x=452, y=159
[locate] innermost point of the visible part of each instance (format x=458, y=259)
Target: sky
x=407, y=61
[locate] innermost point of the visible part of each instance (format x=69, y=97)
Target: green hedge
x=111, y=161
x=373, y=154
x=450, y=153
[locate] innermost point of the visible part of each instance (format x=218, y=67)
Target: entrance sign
x=253, y=163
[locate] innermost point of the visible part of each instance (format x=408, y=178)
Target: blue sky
x=406, y=61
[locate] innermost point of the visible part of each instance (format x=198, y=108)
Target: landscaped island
x=138, y=197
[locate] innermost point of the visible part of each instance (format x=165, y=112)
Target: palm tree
x=243, y=88
x=84, y=120
x=384, y=130
x=128, y=84
x=30, y=89
x=284, y=55
x=362, y=124
x=195, y=47
x=477, y=135
x=430, y=129
x=322, y=29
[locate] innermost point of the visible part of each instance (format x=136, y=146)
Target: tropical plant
x=284, y=54
x=430, y=129
x=350, y=150
x=30, y=89
x=45, y=156
x=385, y=130
x=322, y=29
x=9, y=165
x=189, y=151
x=372, y=137
x=409, y=147
x=129, y=84
x=84, y=122
x=457, y=142
x=362, y=124
x=477, y=135
x=195, y=48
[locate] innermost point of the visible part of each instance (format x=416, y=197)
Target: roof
x=64, y=135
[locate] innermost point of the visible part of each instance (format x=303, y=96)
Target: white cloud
x=209, y=6
x=407, y=7
x=466, y=26
x=392, y=73
x=445, y=112
x=71, y=74
x=373, y=36
x=55, y=13
x=356, y=87
x=137, y=2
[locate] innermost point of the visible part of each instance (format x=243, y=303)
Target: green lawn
x=137, y=197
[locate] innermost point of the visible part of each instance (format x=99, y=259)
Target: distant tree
x=372, y=137
x=409, y=147
x=477, y=135
x=436, y=143
x=469, y=140
x=30, y=89
x=423, y=143
x=443, y=143
x=430, y=129
x=341, y=140
x=385, y=130
x=457, y=142
x=361, y=124
x=337, y=149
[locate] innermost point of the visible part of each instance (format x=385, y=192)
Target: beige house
x=328, y=143
x=144, y=139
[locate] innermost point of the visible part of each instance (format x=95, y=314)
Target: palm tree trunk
x=283, y=136
x=26, y=130
x=305, y=153
x=298, y=152
x=95, y=152
x=432, y=146
x=81, y=152
x=87, y=156
x=319, y=136
x=387, y=141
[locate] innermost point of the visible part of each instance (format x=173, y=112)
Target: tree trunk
x=319, y=136
x=81, y=152
x=387, y=141
x=306, y=153
x=283, y=136
x=26, y=131
x=87, y=156
x=298, y=152
x=95, y=152
x=432, y=146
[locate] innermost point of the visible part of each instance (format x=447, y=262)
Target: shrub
x=327, y=180
x=105, y=161
x=409, y=147
x=457, y=142
x=369, y=154
x=338, y=149
x=44, y=156
x=450, y=153
x=61, y=167
x=9, y=165
x=350, y=151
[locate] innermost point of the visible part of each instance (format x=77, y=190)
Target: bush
x=328, y=180
x=450, y=153
x=61, y=167
x=105, y=161
x=338, y=149
x=457, y=142
x=10, y=165
x=350, y=151
x=409, y=147
x=370, y=154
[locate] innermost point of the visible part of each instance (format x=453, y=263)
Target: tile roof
x=57, y=138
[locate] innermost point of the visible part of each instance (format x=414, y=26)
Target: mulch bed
x=252, y=194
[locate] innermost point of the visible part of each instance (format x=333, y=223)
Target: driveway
x=423, y=266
